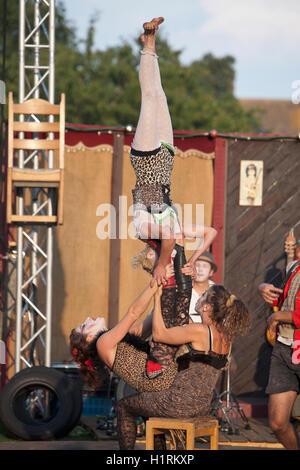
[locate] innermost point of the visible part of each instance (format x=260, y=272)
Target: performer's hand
x=269, y=292
x=169, y=270
x=189, y=270
x=159, y=275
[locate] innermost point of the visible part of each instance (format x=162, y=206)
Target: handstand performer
x=152, y=157
x=156, y=221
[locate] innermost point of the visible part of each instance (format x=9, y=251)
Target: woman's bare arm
x=107, y=343
x=204, y=233
x=176, y=335
x=143, y=329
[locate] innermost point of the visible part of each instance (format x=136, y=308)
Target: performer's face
x=203, y=271
x=151, y=256
x=91, y=327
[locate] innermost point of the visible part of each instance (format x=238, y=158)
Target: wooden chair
x=197, y=427
x=29, y=177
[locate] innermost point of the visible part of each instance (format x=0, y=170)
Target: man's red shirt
x=295, y=315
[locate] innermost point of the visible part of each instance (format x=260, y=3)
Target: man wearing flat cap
x=205, y=267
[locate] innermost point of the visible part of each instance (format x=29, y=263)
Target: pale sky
x=262, y=35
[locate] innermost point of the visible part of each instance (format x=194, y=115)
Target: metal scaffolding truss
x=36, y=48
x=34, y=242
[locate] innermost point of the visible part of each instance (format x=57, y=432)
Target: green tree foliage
x=102, y=86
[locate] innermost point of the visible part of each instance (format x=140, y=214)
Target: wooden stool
x=195, y=427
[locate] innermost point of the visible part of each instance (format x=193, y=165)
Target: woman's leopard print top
x=154, y=167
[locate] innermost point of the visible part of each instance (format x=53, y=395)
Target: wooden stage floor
x=258, y=437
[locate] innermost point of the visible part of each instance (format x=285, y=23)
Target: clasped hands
x=162, y=274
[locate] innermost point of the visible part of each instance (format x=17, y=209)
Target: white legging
x=154, y=125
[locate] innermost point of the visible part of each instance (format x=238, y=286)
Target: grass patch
x=79, y=433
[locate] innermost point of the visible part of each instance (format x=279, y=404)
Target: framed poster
x=251, y=182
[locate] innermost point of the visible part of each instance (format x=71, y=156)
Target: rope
x=210, y=134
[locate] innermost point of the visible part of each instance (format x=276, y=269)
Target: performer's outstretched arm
x=144, y=329
x=107, y=343
x=204, y=233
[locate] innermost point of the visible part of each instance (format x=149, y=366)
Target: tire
x=24, y=399
x=76, y=392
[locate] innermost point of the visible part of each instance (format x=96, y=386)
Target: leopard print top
x=130, y=365
x=154, y=167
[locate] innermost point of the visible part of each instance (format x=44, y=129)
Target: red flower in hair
x=75, y=355
x=75, y=352
x=89, y=364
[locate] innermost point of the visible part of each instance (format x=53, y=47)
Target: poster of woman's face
x=251, y=182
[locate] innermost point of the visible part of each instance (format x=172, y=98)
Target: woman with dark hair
x=205, y=351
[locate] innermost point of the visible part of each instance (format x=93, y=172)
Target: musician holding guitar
x=284, y=324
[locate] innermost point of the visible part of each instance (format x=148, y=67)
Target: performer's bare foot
x=150, y=29
x=151, y=26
